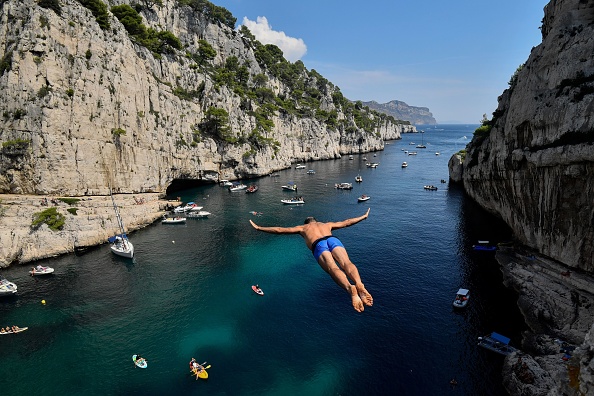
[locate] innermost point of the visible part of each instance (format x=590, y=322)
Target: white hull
x=7, y=288
x=41, y=271
x=123, y=249
x=292, y=202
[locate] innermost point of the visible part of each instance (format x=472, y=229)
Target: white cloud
x=293, y=48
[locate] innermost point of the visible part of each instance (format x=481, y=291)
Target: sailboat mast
x=117, y=211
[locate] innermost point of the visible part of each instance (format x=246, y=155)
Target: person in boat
x=32, y=271
x=330, y=254
x=2, y=330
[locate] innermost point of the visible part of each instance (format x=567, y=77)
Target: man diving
x=330, y=254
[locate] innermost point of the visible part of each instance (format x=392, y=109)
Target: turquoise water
x=188, y=294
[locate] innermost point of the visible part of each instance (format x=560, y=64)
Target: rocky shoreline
x=90, y=221
x=558, y=306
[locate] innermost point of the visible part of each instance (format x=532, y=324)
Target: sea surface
x=187, y=293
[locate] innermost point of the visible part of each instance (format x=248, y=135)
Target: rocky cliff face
x=532, y=164
x=402, y=111
x=86, y=107
x=535, y=166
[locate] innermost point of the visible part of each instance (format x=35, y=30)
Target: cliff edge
x=532, y=165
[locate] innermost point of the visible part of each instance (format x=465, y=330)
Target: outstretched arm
x=349, y=222
x=278, y=230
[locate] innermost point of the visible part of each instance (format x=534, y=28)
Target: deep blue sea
x=187, y=293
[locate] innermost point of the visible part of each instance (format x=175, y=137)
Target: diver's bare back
x=314, y=231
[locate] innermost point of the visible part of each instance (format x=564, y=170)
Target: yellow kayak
x=200, y=373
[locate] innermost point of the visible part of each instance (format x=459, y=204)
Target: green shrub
x=54, y=220
x=69, y=201
x=44, y=91
x=17, y=144
x=6, y=63
x=72, y=211
x=70, y=92
x=99, y=11
x=51, y=5
x=118, y=132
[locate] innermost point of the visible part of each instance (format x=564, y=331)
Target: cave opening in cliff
x=184, y=184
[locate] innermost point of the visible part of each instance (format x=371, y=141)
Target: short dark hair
x=309, y=220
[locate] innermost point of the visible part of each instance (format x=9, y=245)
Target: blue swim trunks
x=325, y=244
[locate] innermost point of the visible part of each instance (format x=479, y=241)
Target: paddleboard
x=257, y=291
x=141, y=364
x=14, y=332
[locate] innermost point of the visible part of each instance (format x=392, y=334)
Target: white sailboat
x=121, y=246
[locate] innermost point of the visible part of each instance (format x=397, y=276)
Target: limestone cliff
x=532, y=165
x=87, y=103
x=402, y=111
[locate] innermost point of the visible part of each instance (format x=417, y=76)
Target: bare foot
x=357, y=302
x=365, y=296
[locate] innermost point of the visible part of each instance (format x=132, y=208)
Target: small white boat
x=351, y=157
x=202, y=213
x=363, y=198
x=404, y=164
x=179, y=209
x=372, y=165
x=462, y=297
x=358, y=178
x=237, y=187
x=173, y=220
x=121, y=246
x=300, y=166
x=344, y=186
x=437, y=153
x=290, y=186
x=41, y=270
x=311, y=172
x=225, y=183
x=18, y=330
x=430, y=188
x=6, y=287
x=293, y=201
x=412, y=153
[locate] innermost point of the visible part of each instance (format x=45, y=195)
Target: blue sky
x=454, y=57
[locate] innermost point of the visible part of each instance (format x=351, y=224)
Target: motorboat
x=404, y=164
x=497, y=343
x=344, y=186
x=290, y=186
x=311, y=172
x=351, y=157
x=41, y=270
x=300, y=166
x=412, y=153
x=430, y=188
x=293, y=201
x=462, y=297
x=237, y=187
x=173, y=220
x=363, y=198
x=372, y=164
x=437, y=153
x=200, y=214
x=7, y=288
x=225, y=183
x=251, y=189
x=358, y=178
x=190, y=206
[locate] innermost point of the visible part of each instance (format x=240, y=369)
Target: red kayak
x=257, y=290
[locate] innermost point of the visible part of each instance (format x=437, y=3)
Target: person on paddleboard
x=330, y=254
